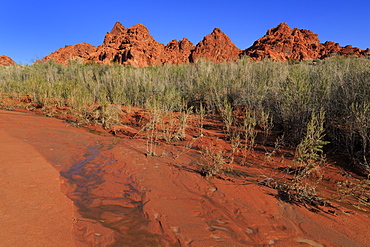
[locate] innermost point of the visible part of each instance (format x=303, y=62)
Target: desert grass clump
x=249, y=126
x=265, y=122
x=173, y=125
x=225, y=110
x=359, y=189
x=201, y=113
x=212, y=163
x=152, y=127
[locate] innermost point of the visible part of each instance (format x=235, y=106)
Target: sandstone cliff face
x=283, y=43
x=6, y=61
x=63, y=55
x=216, y=47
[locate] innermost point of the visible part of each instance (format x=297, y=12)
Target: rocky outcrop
x=216, y=47
x=130, y=46
x=178, y=52
x=6, y=61
x=135, y=46
x=283, y=43
x=330, y=48
x=80, y=51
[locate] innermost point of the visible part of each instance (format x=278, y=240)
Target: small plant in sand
x=183, y=121
x=226, y=111
x=307, y=174
x=173, y=127
x=249, y=125
x=235, y=141
x=309, y=158
x=266, y=124
x=105, y=114
x=201, y=112
x=309, y=153
x=212, y=163
x=358, y=189
x=151, y=128
x=168, y=126
x=279, y=143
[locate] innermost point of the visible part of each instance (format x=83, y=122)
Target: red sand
x=33, y=210
x=124, y=198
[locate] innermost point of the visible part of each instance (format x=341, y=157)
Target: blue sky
x=32, y=29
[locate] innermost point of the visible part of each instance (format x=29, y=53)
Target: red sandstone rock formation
x=178, y=52
x=330, y=48
x=6, y=61
x=80, y=51
x=135, y=46
x=283, y=43
x=130, y=46
x=216, y=47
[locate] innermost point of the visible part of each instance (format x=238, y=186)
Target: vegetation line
x=274, y=96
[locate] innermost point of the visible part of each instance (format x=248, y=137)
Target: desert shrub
x=287, y=92
x=212, y=163
x=357, y=189
x=309, y=158
x=310, y=149
x=307, y=171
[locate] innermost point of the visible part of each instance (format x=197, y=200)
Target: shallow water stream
x=119, y=207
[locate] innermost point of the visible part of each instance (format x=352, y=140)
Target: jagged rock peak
x=216, y=47
x=281, y=28
x=130, y=46
x=216, y=30
x=282, y=43
x=139, y=28
x=135, y=46
x=118, y=28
